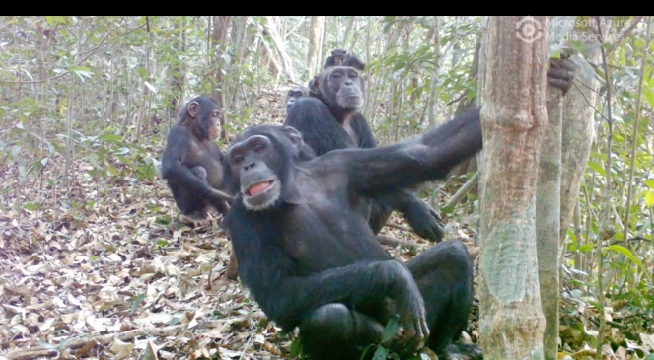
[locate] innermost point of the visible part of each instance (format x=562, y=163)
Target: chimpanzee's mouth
x=259, y=188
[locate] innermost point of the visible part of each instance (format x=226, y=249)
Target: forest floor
x=97, y=272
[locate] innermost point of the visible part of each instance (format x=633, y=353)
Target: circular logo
x=529, y=29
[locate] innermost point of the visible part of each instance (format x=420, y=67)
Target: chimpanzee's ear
x=292, y=193
x=314, y=85
x=295, y=136
x=193, y=108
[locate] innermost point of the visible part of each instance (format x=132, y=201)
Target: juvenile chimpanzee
x=325, y=126
x=340, y=57
x=294, y=94
x=311, y=260
x=192, y=162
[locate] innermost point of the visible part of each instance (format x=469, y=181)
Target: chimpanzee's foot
x=232, y=268
x=462, y=351
x=196, y=219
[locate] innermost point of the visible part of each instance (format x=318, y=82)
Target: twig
x=391, y=241
x=457, y=99
x=454, y=200
x=400, y=227
x=634, y=137
x=605, y=222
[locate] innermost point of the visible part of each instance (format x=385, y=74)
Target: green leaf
x=296, y=347
x=586, y=248
x=51, y=20
x=381, y=353
x=624, y=251
x=597, y=167
x=164, y=220
x=391, y=328
x=649, y=183
x=573, y=238
x=640, y=194
x=649, y=95
x=112, y=170
x=447, y=209
x=111, y=138
x=15, y=150
x=93, y=159
x=649, y=198
x=136, y=302
x=31, y=206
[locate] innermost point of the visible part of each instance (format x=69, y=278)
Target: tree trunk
x=547, y=221
x=433, y=91
x=219, y=37
x=176, y=72
x=577, y=137
x=323, y=43
x=315, y=45
x=240, y=45
x=346, y=34
x=511, y=324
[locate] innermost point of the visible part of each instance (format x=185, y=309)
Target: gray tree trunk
x=315, y=45
x=577, y=137
x=433, y=91
x=547, y=221
x=511, y=324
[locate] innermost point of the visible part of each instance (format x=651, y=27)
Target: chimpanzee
x=340, y=57
x=326, y=126
x=294, y=94
x=192, y=162
x=311, y=260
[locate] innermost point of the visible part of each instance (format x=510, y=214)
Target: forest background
x=94, y=265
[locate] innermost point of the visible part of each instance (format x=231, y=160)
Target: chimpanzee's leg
x=191, y=205
x=335, y=332
x=444, y=276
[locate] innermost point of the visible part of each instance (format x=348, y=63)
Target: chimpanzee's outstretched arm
x=175, y=172
x=429, y=157
x=286, y=299
x=417, y=213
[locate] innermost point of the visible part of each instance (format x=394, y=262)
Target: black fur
x=312, y=261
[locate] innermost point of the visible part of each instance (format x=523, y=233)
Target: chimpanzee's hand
x=561, y=73
x=220, y=196
x=423, y=219
x=411, y=309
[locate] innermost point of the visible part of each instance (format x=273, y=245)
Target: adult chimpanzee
x=307, y=253
x=192, y=163
x=294, y=94
x=339, y=57
x=325, y=126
